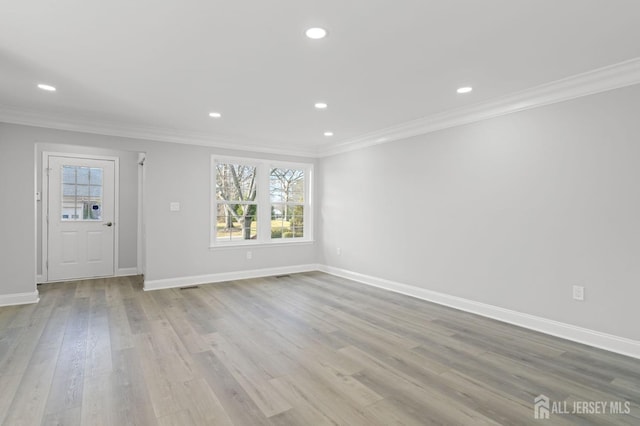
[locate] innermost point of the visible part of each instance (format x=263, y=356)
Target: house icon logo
x=541, y=407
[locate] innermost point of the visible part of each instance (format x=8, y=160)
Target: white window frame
x=263, y=201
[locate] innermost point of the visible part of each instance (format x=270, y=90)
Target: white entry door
x=81, y=213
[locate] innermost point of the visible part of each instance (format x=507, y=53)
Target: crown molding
x=599, y=80
x=14, y=115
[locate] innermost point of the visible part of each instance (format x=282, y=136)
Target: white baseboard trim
x=586, y=336
x=227, y=276
x=574, y=333
x=120, y=272
x=19, y=298
x=124, y=272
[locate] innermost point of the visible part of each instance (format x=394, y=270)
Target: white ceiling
x=158, y=67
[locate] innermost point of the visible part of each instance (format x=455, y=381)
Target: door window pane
x=82, y=175
x=81, y=193
x=95, y=176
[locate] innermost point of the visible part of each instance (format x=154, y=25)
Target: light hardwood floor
x=309, y=349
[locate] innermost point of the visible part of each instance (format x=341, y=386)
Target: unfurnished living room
x=297, y=212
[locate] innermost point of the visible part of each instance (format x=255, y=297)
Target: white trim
x=570, y=332
x=45, y=205
x=227, y=276
x=125, y=272
x=44, y=213
x=78, y=123
x=140, y=240
x=271, y=243
x=262, y=201
x=611, y=77
x=116, y=215
x=40, y=279
x=19, y=298
x=599, y=80
x=35, y=215
x=597, y=339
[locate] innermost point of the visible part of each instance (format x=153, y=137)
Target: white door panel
x=94, y=246
x=69, y=246
x=81, y=212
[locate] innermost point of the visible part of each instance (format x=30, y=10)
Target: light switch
x=174, y=206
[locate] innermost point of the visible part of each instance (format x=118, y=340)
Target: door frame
x=45, y=206
x=141, y=238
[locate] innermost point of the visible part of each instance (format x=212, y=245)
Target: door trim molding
x=126, y=272
x=45, y=205
x=141, y=237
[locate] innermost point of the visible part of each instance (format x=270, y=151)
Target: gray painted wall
x=177, y=243
x=511, y=211
x=17, y=215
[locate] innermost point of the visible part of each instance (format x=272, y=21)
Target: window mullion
x=262, y=169
x=308, y=215
x=264, y=206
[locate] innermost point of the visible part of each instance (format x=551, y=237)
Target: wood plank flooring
x=306, y=349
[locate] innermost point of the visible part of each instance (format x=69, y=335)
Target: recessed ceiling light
x=46, y=87
x=215, y=114
x=320, y=105
x=328, y=134
x=466, y=89
x=316, y=33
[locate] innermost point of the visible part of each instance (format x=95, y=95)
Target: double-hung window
x=260, y=202
x=237, y=208
x=287, y=196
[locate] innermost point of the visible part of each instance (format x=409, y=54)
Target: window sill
x=243, y=244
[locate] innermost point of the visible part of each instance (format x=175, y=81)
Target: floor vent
x=283, y=276
x=189, y=288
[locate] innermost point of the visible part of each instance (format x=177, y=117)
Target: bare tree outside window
x=287, y=189
x=258, y=201
x=236, y=202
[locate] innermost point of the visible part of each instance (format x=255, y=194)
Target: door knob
x=109, y=224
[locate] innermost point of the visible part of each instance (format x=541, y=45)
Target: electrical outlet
x=338, y=251
x=174, y=206
x=578, y=292
x=249, y=255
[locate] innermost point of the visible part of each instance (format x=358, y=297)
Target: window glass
x=81, y=193
x=237, y=210
x=258, y=201
x=286, y=191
